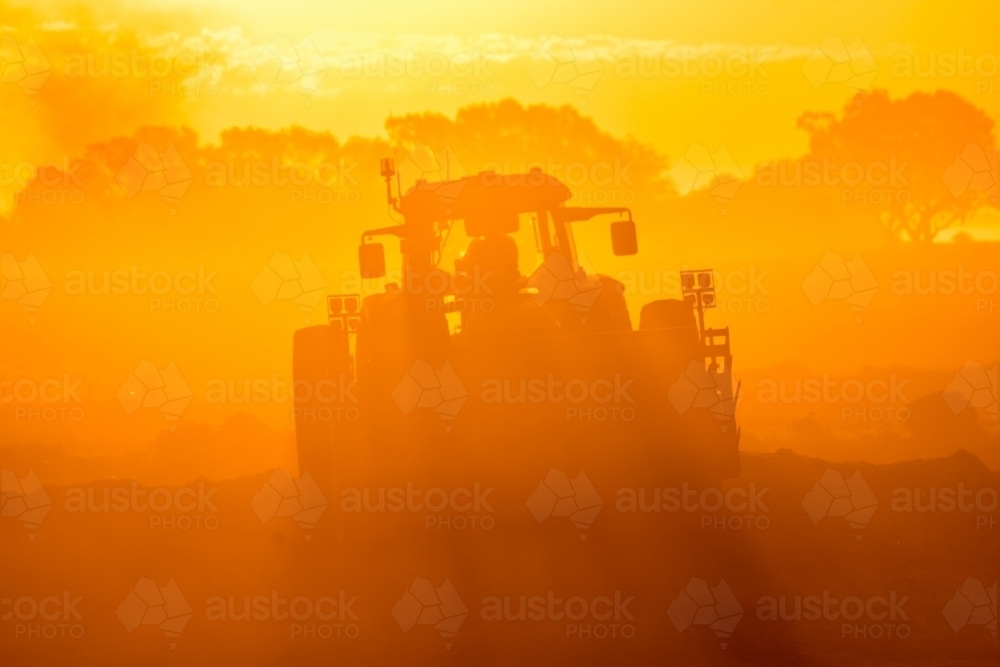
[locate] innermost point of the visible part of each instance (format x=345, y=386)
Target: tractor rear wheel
x=321, y=368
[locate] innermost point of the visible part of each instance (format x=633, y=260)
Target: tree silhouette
x=510, y=138
x=925, y=135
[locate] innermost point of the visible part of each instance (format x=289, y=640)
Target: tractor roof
x=485, y=191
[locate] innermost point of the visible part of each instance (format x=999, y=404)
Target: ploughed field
x=798, y=561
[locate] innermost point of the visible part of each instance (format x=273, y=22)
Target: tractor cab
x=485, y=286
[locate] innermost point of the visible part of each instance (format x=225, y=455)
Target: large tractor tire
x=321, y=366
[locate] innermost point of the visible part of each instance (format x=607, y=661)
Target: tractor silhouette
x=482, y=371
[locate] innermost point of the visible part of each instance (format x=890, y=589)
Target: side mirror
x=371, y=258
x=623, y=241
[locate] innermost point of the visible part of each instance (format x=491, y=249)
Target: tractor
x=481, y=371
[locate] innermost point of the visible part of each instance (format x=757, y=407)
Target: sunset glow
x=615, y=259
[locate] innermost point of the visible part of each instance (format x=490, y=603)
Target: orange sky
x=663, y=85
x=487, y=52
